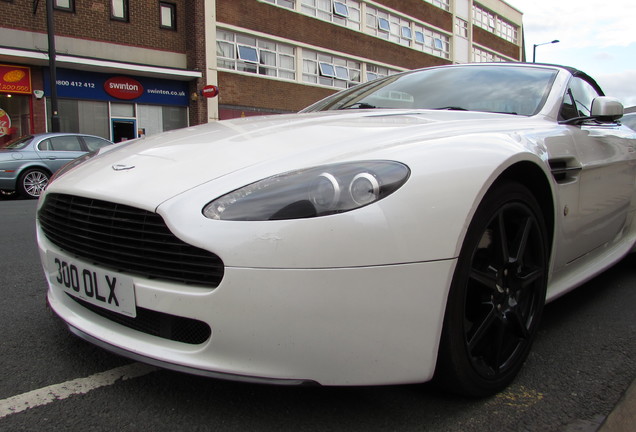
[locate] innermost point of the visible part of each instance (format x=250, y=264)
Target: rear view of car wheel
x=497, y=294
x=32, y=182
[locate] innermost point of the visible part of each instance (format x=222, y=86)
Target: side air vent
x=565, y=170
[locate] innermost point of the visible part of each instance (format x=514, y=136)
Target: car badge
x=121, y=167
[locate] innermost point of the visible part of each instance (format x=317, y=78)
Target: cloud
x=621, y=85
x=580, y=24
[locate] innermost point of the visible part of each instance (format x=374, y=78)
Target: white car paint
x=355, y=298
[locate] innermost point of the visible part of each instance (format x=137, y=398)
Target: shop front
x=118, y=107
x=16, y=106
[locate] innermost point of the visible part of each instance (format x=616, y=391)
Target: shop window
x=66, y=5
x=168, y=13
x=119, y=10
x=89, y=117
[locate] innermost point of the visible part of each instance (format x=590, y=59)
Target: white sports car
x=403, y=230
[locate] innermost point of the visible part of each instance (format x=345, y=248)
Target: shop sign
x=210, y=91
x=5, y=123
x=15, y=79
x=75, y=84
x=123, y=88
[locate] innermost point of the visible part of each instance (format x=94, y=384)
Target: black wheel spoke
x=487, y=278
x=483, y=329
x=498, y=346
x=502, y=237
x=523, y=235
x=517, y=324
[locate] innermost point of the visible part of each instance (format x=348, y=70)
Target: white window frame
x=230, y=57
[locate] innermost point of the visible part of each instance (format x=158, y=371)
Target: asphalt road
x=583, y=361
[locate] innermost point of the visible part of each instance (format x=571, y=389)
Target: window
x=461, y=28
x=119, y=10
x=495, y=24
x=245, y=53
x=61, y=143
x=168, y=15
x=578, y=98
x=340, y=9
x=343, y=12
x=383, y=24
x=94, y=143
x=431, y=41
x=406, y=33
x=330, y=70
x=67, y=5
x=375, y=72
x=402, y=31
x=289, y=4
x=482, y=56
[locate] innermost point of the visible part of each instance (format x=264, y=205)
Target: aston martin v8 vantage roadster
x=405, y=230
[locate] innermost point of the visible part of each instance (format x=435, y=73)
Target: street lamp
x=534, y=48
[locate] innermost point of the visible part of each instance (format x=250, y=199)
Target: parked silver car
x=27, y=163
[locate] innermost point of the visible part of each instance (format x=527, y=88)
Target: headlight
x=311, y=192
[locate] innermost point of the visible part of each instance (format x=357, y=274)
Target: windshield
x=488, y=88
x=19, y=143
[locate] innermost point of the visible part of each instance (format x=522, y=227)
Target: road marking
x=52, y=393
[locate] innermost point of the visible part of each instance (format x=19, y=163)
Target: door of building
x=124, y=129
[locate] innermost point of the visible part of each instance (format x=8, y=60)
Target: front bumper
x=337, y=326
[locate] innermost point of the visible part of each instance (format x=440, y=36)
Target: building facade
x=123, y=67
x=282, y=55
x=126, y=68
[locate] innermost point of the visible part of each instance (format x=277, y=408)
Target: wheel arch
x=534, y=178
x=34, y=166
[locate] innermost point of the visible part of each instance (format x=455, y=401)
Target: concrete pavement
x=623, y=416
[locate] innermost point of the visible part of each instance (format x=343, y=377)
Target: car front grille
x=158, y=324
x=127, y=240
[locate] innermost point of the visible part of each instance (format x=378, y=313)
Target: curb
x=623, y=416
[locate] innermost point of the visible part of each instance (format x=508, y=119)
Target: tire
x=496, y=296
x=32, y=183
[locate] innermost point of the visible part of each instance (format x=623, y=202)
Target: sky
x=596, y=37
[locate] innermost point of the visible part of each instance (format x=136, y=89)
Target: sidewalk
x=623, y=416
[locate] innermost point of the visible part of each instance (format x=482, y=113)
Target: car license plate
x=103, y=288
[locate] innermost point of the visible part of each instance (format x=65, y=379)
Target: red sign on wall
x=123, y=88
x=210, y=91
x=15, y=79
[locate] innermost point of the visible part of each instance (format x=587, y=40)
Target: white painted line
x=46, y=395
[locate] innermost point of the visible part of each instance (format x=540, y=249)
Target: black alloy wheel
x=497, y=294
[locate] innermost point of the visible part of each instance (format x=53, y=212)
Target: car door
x=56, y=151
x=605, y=155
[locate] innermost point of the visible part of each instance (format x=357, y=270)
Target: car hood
x=149, y=171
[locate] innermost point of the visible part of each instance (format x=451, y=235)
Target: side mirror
x=606, y=109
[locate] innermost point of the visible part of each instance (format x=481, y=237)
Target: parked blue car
x=27, y=163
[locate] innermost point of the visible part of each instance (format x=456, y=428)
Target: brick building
x=282, y=55
x=130, y=67
x=124, y=67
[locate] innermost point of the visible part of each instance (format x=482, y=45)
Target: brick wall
x=91, y=21
x=494, y=42
x=284, y=23
x=247, y=91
